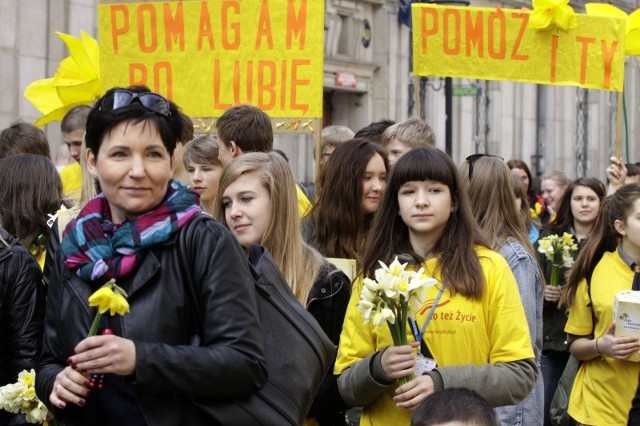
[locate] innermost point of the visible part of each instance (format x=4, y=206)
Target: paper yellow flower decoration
x=110, y=298
x=550, y=14
x=76, y=81
x=632, y=32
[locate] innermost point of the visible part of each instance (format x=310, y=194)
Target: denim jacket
x=530, y=283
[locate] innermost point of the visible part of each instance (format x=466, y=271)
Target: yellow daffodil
x=110, y=298
x=549, y=14
x=76, y=81
x=632, y=31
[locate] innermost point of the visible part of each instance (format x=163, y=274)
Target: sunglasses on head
x=474, y=157
x=122, y=98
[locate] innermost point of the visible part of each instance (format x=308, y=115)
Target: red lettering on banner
x=554, y=54
x=266, y=84
x=150, y=10
x=424, y=32
x=117, y=31
x=455, y=48
x=296, y=24
x=264, y=27
x=474, y=34
x=233, y=42
x=173, y=27
x=501, y=50
x=204, y=28
x=139, y=76
x=516, y=45
x=607, y=55
x=586, y=41
x=265, y=73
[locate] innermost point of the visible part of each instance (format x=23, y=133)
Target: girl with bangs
x=477, y=333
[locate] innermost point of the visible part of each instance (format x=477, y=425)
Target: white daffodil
x=390, y=288
x=366, y=309
x=567, y=260
x=368, y=295
x=38, y=414
x=384, y=314
x=371, y=285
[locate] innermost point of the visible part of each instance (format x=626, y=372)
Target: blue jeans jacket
x=525, y=268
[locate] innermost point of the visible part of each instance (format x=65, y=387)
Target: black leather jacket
x=327, y=303
x=229, y=362
x=22, y=297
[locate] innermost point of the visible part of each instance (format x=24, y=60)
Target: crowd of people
x=492, y=338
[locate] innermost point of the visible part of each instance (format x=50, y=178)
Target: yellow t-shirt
x=603, y=387
x=304, y=206
x=71, y=177
x=462, y=331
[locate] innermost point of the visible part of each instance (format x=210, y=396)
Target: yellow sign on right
x=497, y=44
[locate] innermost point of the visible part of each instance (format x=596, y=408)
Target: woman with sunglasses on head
x=477, y=333
x=348, y=194
x=140, y=230
x=577, y=214
x=606, y=380
x=490, y=187
x=257, y=201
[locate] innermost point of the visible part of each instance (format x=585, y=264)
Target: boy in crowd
x=245, y=128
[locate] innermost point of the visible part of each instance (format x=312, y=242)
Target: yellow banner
x=210, y=55
x=497, y=44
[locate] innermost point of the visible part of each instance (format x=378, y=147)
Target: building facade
x=367, y=77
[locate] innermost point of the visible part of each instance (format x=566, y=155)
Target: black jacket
x=327, y=303
x=229, y=362
x=554, y=319
x=22, y=297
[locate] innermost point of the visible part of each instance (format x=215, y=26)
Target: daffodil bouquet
x=20, y=397
x=558, y=249
x=394, y=296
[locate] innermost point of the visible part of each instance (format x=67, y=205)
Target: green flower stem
x=555, y=275
x=399, y=332
x=93, y=330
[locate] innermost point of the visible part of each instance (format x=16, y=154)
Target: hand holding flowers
x=394, y=296
x=96, y=355
x=558, y=249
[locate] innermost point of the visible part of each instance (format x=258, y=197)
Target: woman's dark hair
x=564, y=217
x=340, y=224
x=389, y=235
x=604, y=237
x=519, y=164
x=31, y=189
x=100, y=122
x=451, y=405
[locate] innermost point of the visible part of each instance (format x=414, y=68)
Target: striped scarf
x=96, y=249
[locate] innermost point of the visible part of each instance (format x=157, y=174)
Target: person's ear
x=91, y=164
x=234, y=149
x=621, y=228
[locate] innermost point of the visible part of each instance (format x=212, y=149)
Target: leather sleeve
x=229, y=361
x=51, y=351
x=25, y=311
x=500, y=384
x=330, y=315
